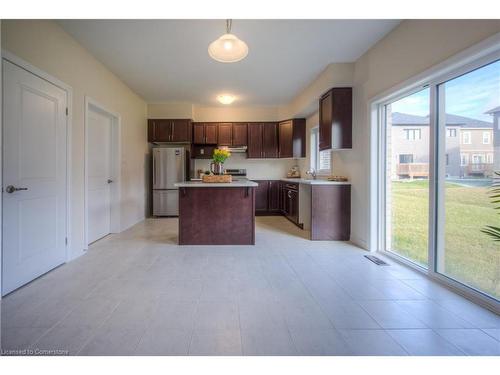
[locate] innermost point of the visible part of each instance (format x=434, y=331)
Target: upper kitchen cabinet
x=335, y=119
x=169, y=130
x=240, y=134
x=263, y=140
x=292, y=138
x=255, y=140
x=225, y=134
x=270, y=140
x=204, y=133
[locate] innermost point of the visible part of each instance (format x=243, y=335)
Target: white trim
x=469, y=137
x=69, y=125
x=488, y=134
x=472, y=58
x=115, y=226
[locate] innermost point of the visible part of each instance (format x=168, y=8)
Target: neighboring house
x=495, y=112
x=469, y=146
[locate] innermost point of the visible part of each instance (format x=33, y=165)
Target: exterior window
x=466, y=139
x=489, y=158
x=320, y=160
x=486, y=138
x=477, y=159
x=413, y=134
x=405, y=158
x=451, y=133
x=464, y=159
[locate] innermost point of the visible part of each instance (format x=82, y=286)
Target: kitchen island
x=217, y=213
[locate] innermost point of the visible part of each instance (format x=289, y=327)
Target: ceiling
x=167, y=60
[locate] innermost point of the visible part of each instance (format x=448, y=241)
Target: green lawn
x=470, y=256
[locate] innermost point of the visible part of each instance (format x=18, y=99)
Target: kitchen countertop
x=318, y=181
x=240, y=183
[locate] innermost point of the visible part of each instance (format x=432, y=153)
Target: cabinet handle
x=290, y=194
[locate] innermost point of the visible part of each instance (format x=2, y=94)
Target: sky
x=469, y=95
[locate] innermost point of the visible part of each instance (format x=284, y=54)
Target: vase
x=217, y=168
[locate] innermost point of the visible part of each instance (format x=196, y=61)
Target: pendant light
x=228, y=48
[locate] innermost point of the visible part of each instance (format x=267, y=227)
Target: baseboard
x=355, y=240
x=137, y=221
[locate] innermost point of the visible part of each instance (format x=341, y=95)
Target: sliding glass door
x=469, y=154
x=407, y=177
x=440, y=164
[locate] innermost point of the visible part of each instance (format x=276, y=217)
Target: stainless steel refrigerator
x=170, y=165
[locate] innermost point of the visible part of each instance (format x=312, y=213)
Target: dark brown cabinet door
x=261, y=196
x=270, y=140
x=240, y=134
x=211, y=134
x=325, y=122
x=274, y=196
x=342, y=119
x=335, y=119
x=199, y=133
x=151, y=131
x=285, y=139
x=225, y=134
x=160, y=130
x=255, y=140
x=180, y=131
x=282, y=195
x=331, y=212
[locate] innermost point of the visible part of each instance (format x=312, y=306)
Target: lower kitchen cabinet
x=325, y=210
x=261, y=197
x=331, y=212
x=267, y=197
x=274, y=197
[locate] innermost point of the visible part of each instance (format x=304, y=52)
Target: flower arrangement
x=220, y=155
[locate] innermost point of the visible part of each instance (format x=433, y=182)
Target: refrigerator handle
x=154, y=171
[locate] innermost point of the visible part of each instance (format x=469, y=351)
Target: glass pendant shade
x=228, y=49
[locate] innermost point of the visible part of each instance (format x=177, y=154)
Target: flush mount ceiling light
x=228, y=48
x=226, y=99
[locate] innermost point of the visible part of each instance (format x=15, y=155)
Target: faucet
x=312, y=172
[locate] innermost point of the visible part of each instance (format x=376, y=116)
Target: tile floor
x=139, y=293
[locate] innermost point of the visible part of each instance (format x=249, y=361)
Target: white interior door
x=99, y=127
x=34, y=176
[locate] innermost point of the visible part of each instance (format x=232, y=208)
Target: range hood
x=235, y=150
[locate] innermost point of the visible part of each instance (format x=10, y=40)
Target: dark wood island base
x=216, y=215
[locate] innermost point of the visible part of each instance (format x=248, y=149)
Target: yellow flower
x=221, y=154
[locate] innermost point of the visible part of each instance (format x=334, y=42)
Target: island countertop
x=199, y=184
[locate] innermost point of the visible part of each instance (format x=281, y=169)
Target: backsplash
x=256, y=168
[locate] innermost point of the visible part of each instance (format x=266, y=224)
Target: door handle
x=11, y=189
x=109, y=181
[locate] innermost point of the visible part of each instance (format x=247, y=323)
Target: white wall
x=306, y=102
x=409, y=49
x=48, y=47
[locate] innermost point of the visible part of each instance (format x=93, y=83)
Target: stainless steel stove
x=238, y=174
